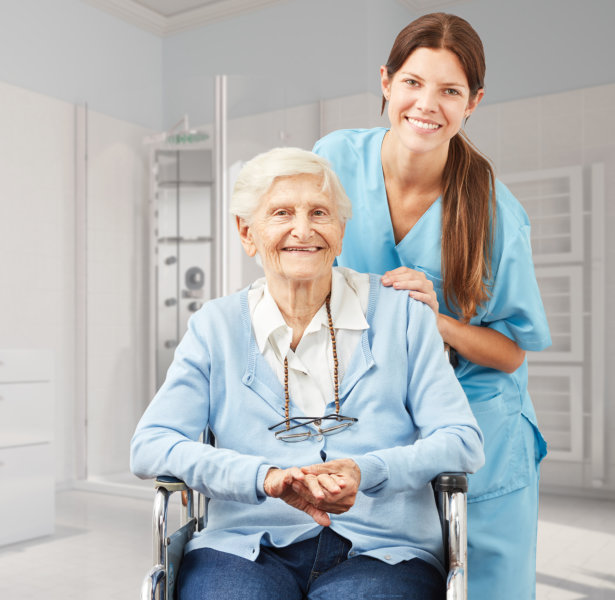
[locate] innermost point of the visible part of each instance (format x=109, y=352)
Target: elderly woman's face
x=296, y=230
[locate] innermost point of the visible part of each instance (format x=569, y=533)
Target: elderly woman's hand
x=279, y=483
x=337, y=481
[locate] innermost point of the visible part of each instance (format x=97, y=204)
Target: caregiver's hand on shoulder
x=339, y=481
x=415, y=282
x=279, y=483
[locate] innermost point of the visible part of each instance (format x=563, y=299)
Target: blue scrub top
x=514, y=309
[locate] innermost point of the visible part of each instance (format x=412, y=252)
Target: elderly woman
x=332, y=406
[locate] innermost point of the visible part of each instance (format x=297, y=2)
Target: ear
x=474, y=102
x=245, y=235
x=385, y=82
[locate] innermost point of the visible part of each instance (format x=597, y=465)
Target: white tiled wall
x=352, y=112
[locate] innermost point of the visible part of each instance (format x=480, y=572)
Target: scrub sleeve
x=503, y=495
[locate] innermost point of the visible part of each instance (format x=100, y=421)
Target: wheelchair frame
x=159, y=584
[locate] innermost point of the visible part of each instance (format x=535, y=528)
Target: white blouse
x=310, y=366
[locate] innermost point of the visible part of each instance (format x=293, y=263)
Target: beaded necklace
x=335, y=365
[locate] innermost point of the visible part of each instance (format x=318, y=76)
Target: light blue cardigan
x=414, y=422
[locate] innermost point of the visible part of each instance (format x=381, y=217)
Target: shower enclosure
x=183, y=238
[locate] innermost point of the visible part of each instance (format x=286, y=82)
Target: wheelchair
x=159, y=584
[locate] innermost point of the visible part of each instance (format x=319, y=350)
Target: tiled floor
x=576, y=549
x=101, y=550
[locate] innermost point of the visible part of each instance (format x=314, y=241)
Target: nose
x=302, y=227
x=427, y=100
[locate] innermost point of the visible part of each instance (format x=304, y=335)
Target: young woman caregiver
x=430, y=217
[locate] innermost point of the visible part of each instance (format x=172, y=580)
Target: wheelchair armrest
x=451, y=482
x=171, y=484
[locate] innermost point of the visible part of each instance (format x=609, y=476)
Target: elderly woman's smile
x=302, y=249
x=296, y=230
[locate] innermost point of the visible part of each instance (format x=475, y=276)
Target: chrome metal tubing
x=187, y=510
x=201, y=512
x=161, y=505
x=153, y=582
x=457, y=534
x=221, y=186
x=456, y=585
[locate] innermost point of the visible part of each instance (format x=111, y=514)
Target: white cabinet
x=27, y=482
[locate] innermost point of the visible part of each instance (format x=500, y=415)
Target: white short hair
x=259, y=174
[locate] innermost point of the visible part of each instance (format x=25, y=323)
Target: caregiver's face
x=429, y=97
x=296, y=230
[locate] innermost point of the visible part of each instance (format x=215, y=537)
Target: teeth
x=312, y=249
x=423, y=125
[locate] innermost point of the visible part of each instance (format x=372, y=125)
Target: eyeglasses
x=327, y=425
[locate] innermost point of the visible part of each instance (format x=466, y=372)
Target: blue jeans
x=314, y=569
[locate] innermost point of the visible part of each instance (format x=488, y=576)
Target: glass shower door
x=113, y=355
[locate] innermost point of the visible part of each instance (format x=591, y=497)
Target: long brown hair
x=468, y=180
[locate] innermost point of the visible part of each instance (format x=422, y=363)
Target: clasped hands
x=317, y=490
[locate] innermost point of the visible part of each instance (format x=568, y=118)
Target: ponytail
x=468, y=223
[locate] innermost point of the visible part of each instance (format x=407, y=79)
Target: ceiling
x=165, y=17
x=175, y=7
x=426, y=6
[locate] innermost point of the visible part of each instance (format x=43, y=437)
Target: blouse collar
x=349, y=299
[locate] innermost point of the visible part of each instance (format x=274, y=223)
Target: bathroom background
x=87, y=86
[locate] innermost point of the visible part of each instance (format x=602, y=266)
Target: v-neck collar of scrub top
x=423, y=241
